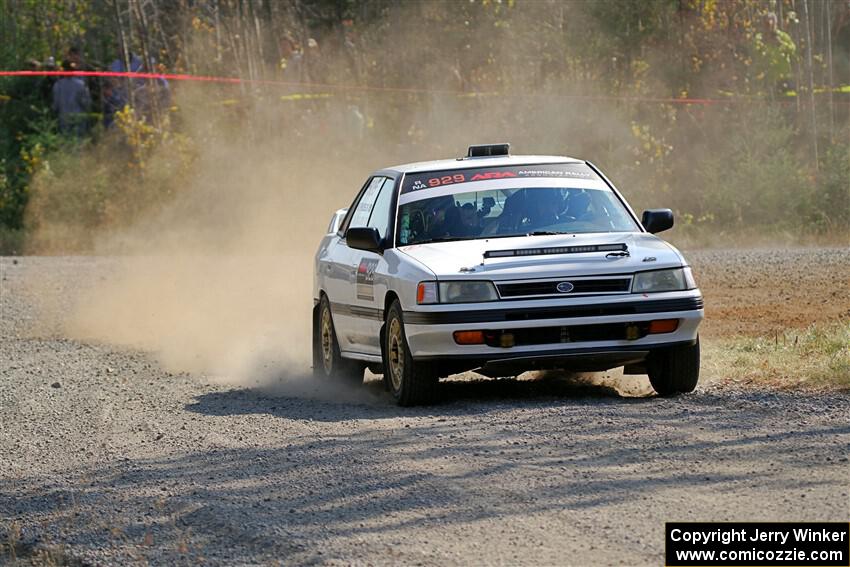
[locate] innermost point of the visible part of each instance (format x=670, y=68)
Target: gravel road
x=110, y=460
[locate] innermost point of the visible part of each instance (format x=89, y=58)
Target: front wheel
x=327, y=360
x=674, y=370
x=411, y=382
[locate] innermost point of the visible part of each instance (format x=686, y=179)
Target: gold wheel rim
x=396, y=354
x=327, y=341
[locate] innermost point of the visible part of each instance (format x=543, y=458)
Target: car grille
x=550, y=288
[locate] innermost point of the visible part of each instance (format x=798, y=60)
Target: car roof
x=466, y=163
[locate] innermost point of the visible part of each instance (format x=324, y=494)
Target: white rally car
x=501, y=264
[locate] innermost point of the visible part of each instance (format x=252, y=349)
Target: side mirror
x=657, y=220
x=364, y=238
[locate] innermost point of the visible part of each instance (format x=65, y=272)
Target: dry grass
x=816, y=358
x=15, y=553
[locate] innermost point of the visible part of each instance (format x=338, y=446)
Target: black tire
x=327, y=360
x=674, y=370
x=411, y=383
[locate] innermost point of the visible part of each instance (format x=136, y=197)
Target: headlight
x=456, y=292
x=467, y=292
x=678, y=279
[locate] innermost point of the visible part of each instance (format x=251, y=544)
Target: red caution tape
x=359, y=88
x=213, y=79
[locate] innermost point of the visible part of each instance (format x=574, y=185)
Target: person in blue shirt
x=71, y=102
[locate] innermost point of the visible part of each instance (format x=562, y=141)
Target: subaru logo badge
x=565, y=287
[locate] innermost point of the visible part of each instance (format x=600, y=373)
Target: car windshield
x=512, y=212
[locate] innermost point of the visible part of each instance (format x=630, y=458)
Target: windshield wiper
x=546, y=232
x=441, y=239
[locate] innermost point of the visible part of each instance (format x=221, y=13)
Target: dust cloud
x=218, y=281
x=217, y=278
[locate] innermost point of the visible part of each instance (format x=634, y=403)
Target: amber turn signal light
x=469, y=337
x=663, y=326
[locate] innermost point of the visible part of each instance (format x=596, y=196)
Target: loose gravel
x=110, y=460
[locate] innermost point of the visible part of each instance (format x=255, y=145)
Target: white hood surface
x=464, y=259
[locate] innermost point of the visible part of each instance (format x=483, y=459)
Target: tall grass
x=817, y=358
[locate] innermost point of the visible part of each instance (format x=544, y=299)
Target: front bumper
x=430, y=331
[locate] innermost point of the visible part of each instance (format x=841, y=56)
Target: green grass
x=817, y=357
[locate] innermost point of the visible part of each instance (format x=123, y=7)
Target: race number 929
x=446, y=180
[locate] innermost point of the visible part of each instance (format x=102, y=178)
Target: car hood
x=464, y=259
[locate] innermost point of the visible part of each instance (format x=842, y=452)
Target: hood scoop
x=557, y=250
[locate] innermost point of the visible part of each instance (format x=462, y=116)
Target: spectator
x=292, y=60
x=149, y=96
x=118, y=66
x=314, y=64
x=74, y=55
x=75, y=58
x=115, y=92
x=71, y=102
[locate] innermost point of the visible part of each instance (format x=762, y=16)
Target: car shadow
x=529, y=386
x=466, y=393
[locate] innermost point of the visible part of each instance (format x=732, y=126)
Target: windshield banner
x=433, y=179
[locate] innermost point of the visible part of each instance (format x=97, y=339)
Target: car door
x=371, y=277
x=349, y=277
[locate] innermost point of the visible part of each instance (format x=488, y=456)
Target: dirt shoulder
x=763, y=292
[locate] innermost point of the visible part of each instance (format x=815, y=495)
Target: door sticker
x=366, y=279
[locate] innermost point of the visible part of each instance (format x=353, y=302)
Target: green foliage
x=552, y=77
x=830, y=201
x=27, y=131
x=628, y=25
x=79, y=189
x=37, y=29
x=754, y=178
